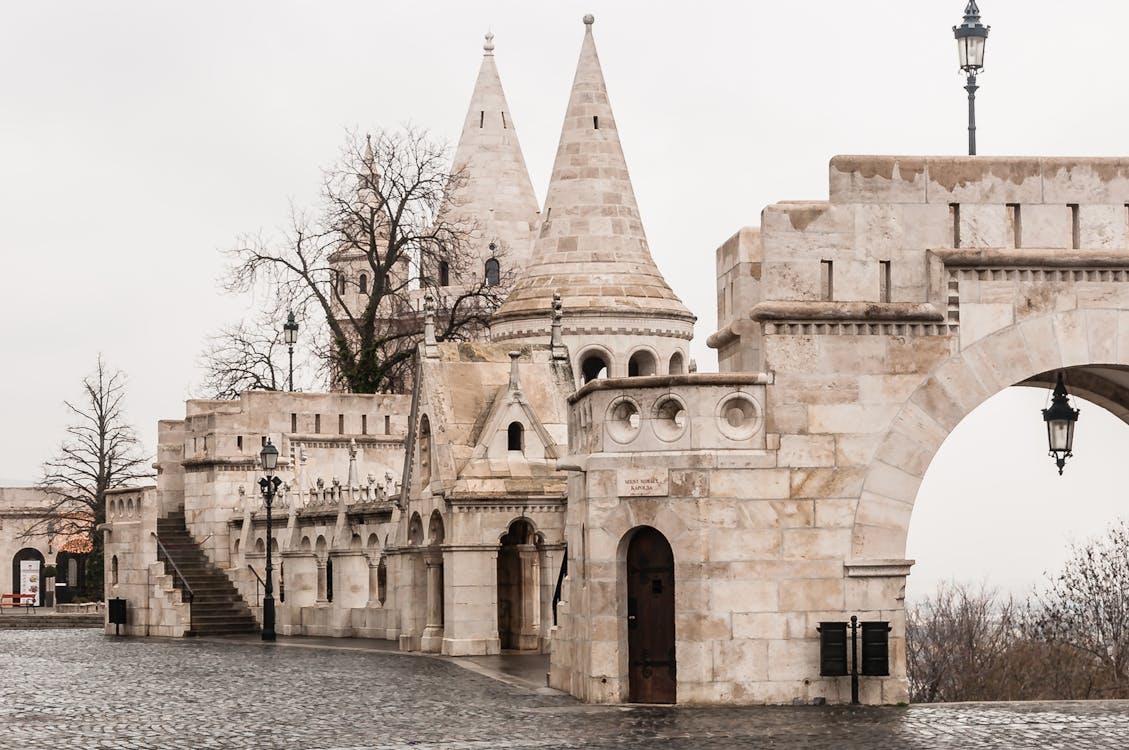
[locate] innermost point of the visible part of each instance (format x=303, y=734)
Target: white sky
x=138, y=139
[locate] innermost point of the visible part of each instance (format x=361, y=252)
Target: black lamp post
x=269, y=485
x=290, y=335
x=1060, y=419
x=971, y=37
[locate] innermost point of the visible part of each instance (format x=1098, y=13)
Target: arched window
x=114, y=571
x=364, y=283
x=340, y=283
x=592, y=367
x=493, y=272
x=516, y=437
x=329, y=579
x=641, y=363
x=676, y=367
x=444, y=273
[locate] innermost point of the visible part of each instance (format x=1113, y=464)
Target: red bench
x=27, y=601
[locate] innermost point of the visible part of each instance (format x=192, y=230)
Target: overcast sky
x=138, y=139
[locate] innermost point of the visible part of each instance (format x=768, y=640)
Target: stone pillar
x=349, y=572
x=432, y=639
x=322, y=595
x=301, y=591
x=529, y=638
x=471, y=584
x=373, y=583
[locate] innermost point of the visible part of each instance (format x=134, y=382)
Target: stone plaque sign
x=644, y=482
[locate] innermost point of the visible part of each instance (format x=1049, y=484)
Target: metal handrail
x=258, y=579
x=176, y=570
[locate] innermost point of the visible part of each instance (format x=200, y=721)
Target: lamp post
x=971, y=37
x=1060, y=419
x=269, y=485
x=290, y=335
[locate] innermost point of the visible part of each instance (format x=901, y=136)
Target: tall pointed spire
x=497, y=194
x=591, y=246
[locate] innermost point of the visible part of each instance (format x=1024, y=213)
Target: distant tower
x=620, y=316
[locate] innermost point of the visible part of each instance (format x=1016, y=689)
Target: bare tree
x=957, y=643
x=388, y=233
x=1086, y=607
x=100, y=451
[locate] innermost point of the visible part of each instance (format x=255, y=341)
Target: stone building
x=712, y=522
x=21, y=510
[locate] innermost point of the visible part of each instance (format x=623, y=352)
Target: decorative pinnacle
x=972, y=13
x=488, y=47
x=589, y=19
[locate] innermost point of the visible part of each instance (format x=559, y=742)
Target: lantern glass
x=1060, y=435
x=970, y=50
x=269, y=457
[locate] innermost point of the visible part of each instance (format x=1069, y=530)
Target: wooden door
x=652, y=672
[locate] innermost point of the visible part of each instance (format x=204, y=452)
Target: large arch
x=1085, y=343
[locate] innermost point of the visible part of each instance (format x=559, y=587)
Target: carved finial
x=488, y=48
x=515, y=385
x=429, y=347
x=368, y=148
x=353, y=479
x=589, y=19
x=556, y=338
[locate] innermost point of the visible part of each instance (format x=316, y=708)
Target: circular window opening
x=623, y=420
x=670, y=418
x=738, y=417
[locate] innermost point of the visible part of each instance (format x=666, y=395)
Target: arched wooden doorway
x=519, y=585
x=652, y=672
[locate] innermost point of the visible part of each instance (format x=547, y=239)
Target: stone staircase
x=217, y=608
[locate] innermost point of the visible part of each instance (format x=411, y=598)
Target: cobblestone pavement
x=81, y=689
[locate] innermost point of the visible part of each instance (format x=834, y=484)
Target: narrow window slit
x=954, y=214
x=1016, y=224
x=481, y=118
x=596, y=122
x=826, y=280
x=1075, y=227
x=504, y=125
x=884, y=280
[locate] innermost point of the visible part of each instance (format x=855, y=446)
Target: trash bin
x=117, y=614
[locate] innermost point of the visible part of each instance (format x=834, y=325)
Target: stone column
x=373, y=583
x=322, y=597
x=470, y=581
x=432, y=639
x=529, y=638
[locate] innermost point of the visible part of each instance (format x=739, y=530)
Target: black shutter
x=832, y=649
x=876, y=648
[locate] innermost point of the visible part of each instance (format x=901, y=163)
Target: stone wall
x=132, y=571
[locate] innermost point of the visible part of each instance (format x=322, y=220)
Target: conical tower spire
x=496, y=194
x=591, y=247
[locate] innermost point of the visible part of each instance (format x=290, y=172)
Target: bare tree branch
x=388, y=231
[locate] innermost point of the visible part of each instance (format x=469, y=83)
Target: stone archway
x=1083, y=342
x=519, y=587
x=27, y=573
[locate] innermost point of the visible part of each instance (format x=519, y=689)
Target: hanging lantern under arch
x=1060, y=418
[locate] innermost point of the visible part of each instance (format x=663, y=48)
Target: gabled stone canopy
x=498, y=194
x=591, y=246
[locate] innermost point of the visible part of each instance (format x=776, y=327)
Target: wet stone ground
x=81, y=689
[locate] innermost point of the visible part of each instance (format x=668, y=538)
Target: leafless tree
x=1086, y=607
x=956, y=644
x=388, y=232
x=101, y=451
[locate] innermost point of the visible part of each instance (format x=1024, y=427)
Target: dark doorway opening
x=652, y=672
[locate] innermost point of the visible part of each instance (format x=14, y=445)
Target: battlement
x=668, y=413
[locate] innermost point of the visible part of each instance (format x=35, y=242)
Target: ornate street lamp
x=290, y=335
x=269, y=485
x=971, y=37
x=1060, y=419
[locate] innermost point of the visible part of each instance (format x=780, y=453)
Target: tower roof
x=591, y=246
x=497, y=193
